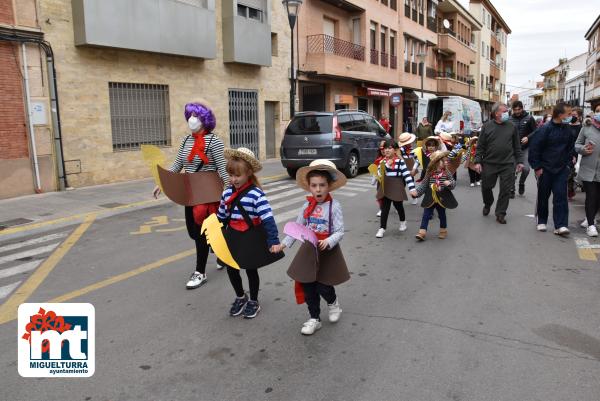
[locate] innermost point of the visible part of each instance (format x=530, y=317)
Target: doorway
x=271, y=125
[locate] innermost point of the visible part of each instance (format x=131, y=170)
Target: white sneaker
x=472, y=184
x=584, y=223
x=592, y=231
x=220, y=266
x=310, y=326
x=562, y=231
x=379, y=213
x=413, y=201
x=380, y=233
x=402, y=226
x=196, y=280
x=478, y=183
x=334, y=311
x=542, y=227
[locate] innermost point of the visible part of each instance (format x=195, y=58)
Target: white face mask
x=195, y=124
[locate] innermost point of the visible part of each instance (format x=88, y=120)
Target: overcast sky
x=542, y=32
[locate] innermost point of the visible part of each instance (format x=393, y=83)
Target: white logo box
x=77, y=362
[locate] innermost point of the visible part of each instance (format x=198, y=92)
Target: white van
x=466, y=113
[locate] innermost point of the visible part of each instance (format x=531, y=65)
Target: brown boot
x=443, y=233
x=421, y=235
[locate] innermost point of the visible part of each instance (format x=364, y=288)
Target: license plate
x=307, y=151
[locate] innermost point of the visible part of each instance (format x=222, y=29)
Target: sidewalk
x=61, y=208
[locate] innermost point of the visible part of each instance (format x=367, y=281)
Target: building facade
x=123, y=85
x=28, y=155
x=592, y=79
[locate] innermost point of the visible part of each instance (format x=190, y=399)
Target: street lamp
x=422, y=57
x=292, y=7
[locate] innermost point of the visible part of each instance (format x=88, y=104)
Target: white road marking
x=7, y=289
x=22, y=268
x=584, y=243
x=31, y=252
x=40, y=240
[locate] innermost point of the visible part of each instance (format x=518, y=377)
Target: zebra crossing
x=286, y=198
x=20, y=258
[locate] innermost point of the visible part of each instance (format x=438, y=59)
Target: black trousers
x=202, y=247
x=312, y=295
x=474, y=176
x=490, y=174
x=592, y=200
x=386, y=203
x=236, y=282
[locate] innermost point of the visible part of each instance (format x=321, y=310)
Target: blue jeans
x=555, y=184
x=428, y=214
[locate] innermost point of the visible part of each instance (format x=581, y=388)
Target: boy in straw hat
x=316, y=272
x=405, y=141
x=251, y=232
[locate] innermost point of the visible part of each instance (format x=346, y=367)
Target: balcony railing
x=446, y=74
x=415, y=67
x=393, y=62
x=431, y=72
x=330, y=45
x=406, y=66
x=431, y=24
x=384, y=59
x=374, y=56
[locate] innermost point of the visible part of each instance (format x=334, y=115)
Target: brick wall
x=13, y=134
x=6, y=12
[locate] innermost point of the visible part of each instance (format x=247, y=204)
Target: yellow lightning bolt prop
x=211, y=227
x=153, y=157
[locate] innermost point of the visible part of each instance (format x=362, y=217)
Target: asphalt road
x=491, y=313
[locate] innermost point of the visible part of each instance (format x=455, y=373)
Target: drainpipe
x=36, y=168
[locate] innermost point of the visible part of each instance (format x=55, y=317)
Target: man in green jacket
x=498, y=150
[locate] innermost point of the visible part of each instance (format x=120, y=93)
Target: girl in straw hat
x=469, y=157
x=393, y=175
x=251, y=232
x=317, y=271
x=437, y=187
x=422, y=154
x=405, y=141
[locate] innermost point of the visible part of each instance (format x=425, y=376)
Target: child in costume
x=404, y=142
x=380, y=157
x=469, y=159
x=251, y=232
x=437, y=187
x=200, y=151
x=421, y=155
x=317, y=271
x=393, y=175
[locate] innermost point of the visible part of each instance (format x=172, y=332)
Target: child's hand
x=323, y=245
x=413, y=193
x=156, y=192
x=447, y=183
x=413, y=173
x=277, y=248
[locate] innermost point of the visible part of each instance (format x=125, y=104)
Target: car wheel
x=351, y=169
x=292, y=172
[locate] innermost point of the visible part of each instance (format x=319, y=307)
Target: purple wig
x=205, y=115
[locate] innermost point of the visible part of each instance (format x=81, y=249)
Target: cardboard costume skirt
x=393, y=188
x=326, y=267
x=445, y=196
x=249, y=248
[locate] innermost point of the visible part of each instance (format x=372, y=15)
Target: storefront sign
x=344, y=99
x=396, y=99
x=378, y=92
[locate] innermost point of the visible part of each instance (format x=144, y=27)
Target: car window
x=373, y=126
x=360, y=123
x=310, y=125
x=345, y=122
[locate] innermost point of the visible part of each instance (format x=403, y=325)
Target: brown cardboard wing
x=189, y=189
x=410, y=162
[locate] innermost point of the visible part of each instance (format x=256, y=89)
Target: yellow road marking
x=12, y=230
x=8, y=310
x=272, y=177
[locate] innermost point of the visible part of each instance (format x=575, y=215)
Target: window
x=392, y=43
x=406, y=44
x=482, y=81
x=373, y=37
x=487, y=51
x=274, y=45
x=249, y=12
x=393, y=4
x=243, y=119
x=383, y=40
x=139, y=114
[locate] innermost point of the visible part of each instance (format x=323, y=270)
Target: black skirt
x=249, y=248
x=445, y=196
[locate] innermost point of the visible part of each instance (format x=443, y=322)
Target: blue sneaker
x=238, y=305
x=251, y=310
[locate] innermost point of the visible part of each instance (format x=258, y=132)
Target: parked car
x=350, y=139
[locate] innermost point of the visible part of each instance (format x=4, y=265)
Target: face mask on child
x=597, y=117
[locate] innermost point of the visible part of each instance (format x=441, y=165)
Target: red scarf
x=393, y=159
x=199, y=147
x=437, y=176
x=236, y=192
x=407, y=150
x=312, y=204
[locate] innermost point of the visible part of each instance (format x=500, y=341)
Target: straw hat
x=339, y=179
x=432, y=138
x=435, y=158
x=447, y=136
x=406, y=138
x=246, y=155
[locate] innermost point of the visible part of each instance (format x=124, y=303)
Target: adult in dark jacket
x=550, y=153
x=525, y=124
x=498, y=150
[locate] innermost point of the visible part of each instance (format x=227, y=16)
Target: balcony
x=494, y=70
x=431, y=24
x=384, y=59
x=393, y=62
x=374, y=56
x=450, y=84
x=330, y=45
x=449, y=44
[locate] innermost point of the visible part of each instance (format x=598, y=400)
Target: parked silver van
x=350, y=139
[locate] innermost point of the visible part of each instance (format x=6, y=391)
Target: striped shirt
x=214, y=152
x=436, y=178
x=396, y=169
x=256, y=205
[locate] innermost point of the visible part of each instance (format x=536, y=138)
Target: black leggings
x=592, y=200
x=312, y=295
x=474, y=176
x=236, y=282
x=386, y=203
x=200, y=240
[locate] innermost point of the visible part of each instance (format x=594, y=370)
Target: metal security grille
x=139, y=114
x=243, y=119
